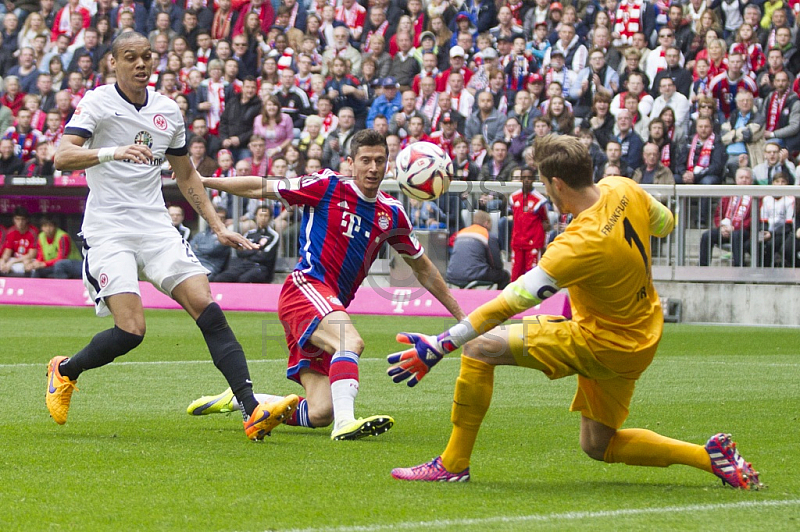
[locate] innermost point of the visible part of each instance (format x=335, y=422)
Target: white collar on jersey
x=361, y=195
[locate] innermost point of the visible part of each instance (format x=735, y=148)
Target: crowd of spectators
x=688, y=91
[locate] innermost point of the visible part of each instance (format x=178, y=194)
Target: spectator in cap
x=427, y=43
x=538, y=44
x=445, y=106
x=535, y=86
x=419, y=20
x=482, y=12
x=446, y=134
x=457, y=64
x=559, y=72
x=489, y=62
x=462, y=23
x=536, y=15
x=388, y=103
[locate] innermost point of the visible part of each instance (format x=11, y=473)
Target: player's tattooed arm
x=191, y=187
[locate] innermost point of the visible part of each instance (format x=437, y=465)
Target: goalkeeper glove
x=418, y=361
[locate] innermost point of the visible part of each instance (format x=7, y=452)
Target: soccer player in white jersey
x=121, y=134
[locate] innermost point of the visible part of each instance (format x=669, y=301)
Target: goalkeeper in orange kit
x=603, y=259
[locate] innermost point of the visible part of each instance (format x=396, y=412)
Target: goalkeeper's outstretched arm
x=527, y=291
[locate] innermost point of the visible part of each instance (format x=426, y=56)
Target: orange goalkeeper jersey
x=603, y=258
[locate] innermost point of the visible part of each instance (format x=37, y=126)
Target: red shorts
x=303, y=303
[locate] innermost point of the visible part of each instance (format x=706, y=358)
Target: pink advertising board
x=264, y=298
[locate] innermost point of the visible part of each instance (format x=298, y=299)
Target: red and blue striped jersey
x=342, y=230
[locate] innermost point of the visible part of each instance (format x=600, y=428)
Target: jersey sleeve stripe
x=78, y=132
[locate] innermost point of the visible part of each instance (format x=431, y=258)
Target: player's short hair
x=564, y=157
x=123, y=39
x=367, y=137
x=19, y=210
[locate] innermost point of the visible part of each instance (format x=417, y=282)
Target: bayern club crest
x=103, y=280
x=383, y=221
x=143, y=138
x=160, y=122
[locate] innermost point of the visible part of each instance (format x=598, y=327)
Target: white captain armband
x=530, y=290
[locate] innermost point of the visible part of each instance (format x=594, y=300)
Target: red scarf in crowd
x=666, y=157
x=221, y=25
x=381, y=30
x=737, y=209
x=705, y=153
x=774, y=109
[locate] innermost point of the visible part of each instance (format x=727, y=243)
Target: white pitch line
x=681, y=360
x=189, y=362
x=548, y=518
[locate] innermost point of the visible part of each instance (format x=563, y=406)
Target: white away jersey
x=125, y=197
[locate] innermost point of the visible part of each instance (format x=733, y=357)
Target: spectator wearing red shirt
x=12, y=97
x=530, y=223
x=446, y=135
x=457, y=64
x=265, y=13
x=61, y=22
x=353, y=16
x=19, y=250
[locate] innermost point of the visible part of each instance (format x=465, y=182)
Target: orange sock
x=646, y=448
x=470, y=403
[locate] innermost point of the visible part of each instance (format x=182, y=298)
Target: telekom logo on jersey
x=352, y=224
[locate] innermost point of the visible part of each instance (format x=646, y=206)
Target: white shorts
x=115, y=264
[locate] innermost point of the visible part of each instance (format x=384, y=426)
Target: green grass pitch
x=130, y=458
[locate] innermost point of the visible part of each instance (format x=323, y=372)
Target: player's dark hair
x=564, y=157
x=19, y=210
x=369, y=138
x=123, y=39
x=49, y=220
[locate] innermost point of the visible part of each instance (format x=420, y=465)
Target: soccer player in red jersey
x=345, y=223
x=531, y=223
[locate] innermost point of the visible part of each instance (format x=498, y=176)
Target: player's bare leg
x=336, y=335
x=318, y=404
x=127, y=333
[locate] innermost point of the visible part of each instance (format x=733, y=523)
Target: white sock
x=344, y=394
x=261, y=398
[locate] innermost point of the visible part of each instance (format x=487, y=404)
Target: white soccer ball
x=423, y=171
